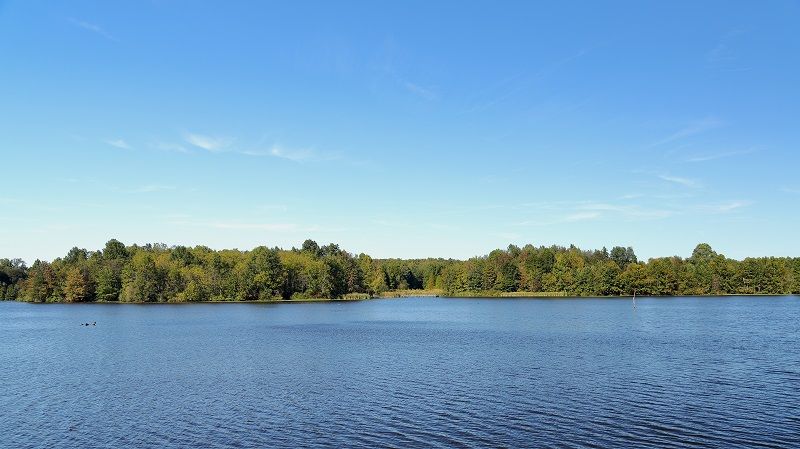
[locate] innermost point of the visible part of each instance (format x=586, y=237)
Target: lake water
x=417, y=372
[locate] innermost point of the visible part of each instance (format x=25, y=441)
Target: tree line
x=158, y=273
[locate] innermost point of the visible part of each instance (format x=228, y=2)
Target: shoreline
x=405, y=295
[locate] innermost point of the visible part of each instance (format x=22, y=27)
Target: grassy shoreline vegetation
x=158, y=273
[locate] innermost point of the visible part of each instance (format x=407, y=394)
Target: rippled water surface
x=418, y=372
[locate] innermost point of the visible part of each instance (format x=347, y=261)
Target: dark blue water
x=422, y=372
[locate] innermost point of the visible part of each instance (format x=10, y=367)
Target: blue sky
x=404, y=129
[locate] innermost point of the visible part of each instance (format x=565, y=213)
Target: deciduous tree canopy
x=157, y=273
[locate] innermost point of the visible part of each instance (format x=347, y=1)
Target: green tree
x=109, y=284
x=183, y=256
x=114, y=250
x=635, y=279
x=76, y=255
x=378, y=283
x=142, y=280
x=311, y=247
x=42, y=283
x=623, y=256
x=12, y=273
x=295, y=279
x=196, y=286
x=264, y=274
x=703, y=253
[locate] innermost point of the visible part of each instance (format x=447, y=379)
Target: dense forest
x=158, y=273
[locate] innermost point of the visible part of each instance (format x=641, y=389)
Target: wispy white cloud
x=568, y=218
x=208, y=143
x=415, y=88
x=679, y=180
x=510, y=236
x=255, y=226
x=273, y=207
x=720, y=55
x=167, y=146
x=294, y=154
x=494, y=94
x=391, y=222
x=151, y=188
x=93, y=28
x=694, y=128
x=635, y=208
x=581, y=216
x=627, y=210
x=631, y=207
x=723, y=56
x=424, y=92
x=240, y=226
x=119, y=143
x=405, y=224
x=442, y=227
x=52, y=227
x=715, y=156
x=726, y=207
x=514, y=86
x=791, y=190
x=661, y=211
x=176, y=215
x=226, y=145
